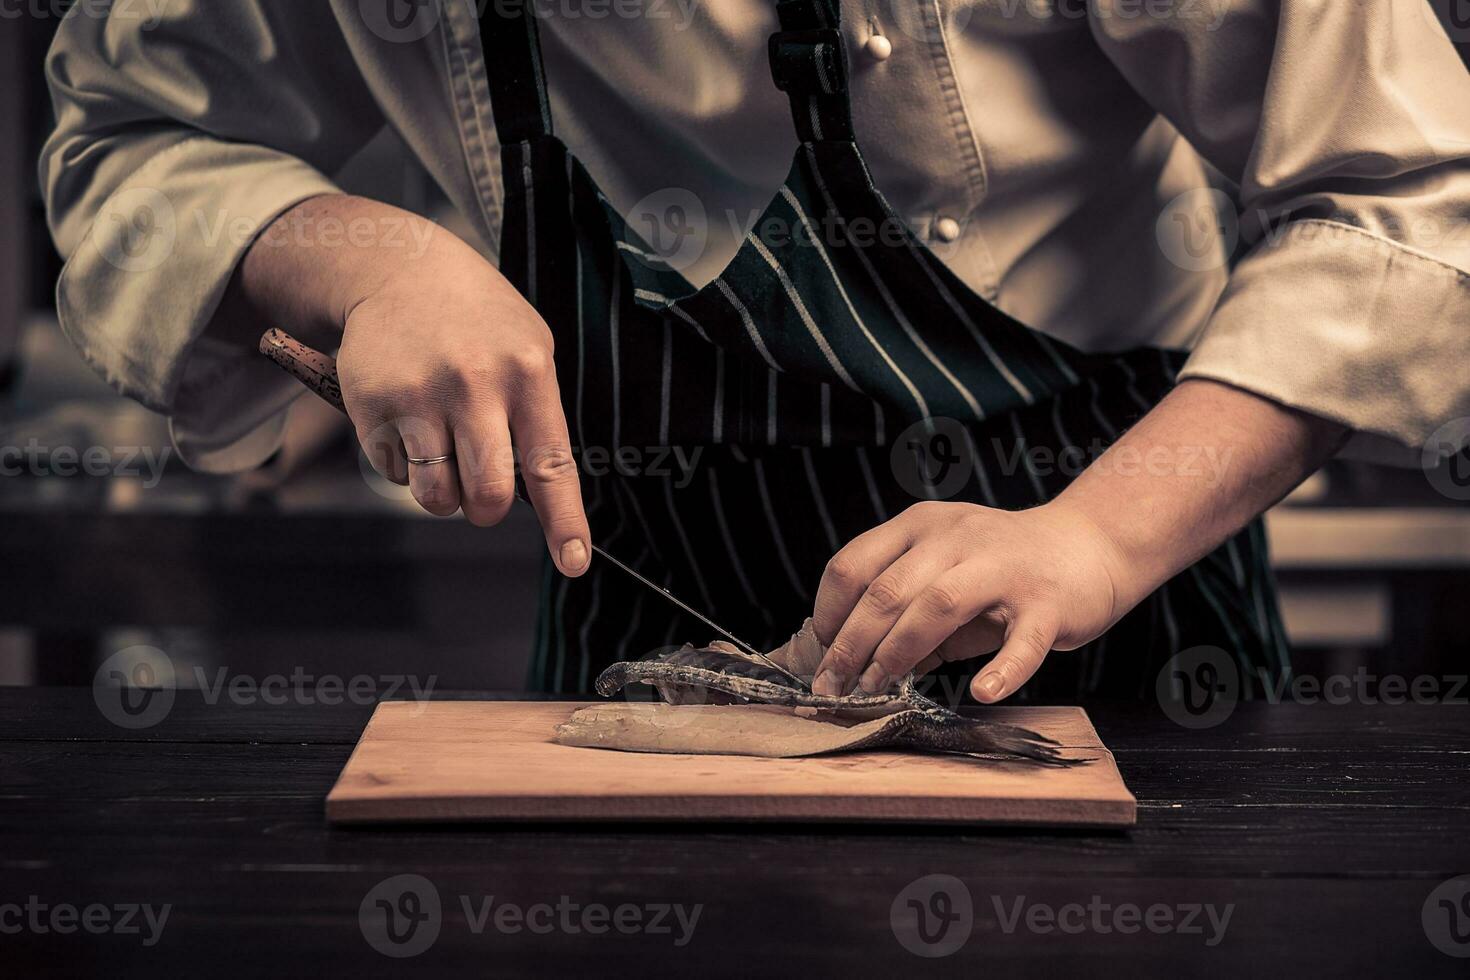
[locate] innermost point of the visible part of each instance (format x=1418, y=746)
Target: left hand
x=950, y=581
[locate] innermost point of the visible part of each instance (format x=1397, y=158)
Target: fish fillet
x=720, y=700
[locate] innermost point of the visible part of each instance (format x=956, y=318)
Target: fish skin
x=719, y=674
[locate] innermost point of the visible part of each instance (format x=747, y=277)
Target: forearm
x=1192, y=472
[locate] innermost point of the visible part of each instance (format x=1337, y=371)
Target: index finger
x=539, y=431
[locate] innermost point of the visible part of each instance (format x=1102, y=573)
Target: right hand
x=440, y=355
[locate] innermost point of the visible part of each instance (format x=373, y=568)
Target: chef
x=970, y=355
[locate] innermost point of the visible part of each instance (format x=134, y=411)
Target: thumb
x=1026, y=646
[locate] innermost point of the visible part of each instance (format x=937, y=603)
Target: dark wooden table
x=1323, y=829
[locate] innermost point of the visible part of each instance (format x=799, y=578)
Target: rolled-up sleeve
x=1345, y=126
x=180, y=137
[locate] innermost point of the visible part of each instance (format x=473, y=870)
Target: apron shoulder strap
x=513, y=66
x=809, y=63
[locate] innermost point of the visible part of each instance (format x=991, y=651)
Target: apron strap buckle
x=809, y=62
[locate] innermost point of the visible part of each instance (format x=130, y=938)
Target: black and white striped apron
x=831, y=345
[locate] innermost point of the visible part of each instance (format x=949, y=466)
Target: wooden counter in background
x=368, y=578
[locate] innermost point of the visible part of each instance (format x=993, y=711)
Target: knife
x=318, y=372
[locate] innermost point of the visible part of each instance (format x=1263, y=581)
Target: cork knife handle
x=317, y=371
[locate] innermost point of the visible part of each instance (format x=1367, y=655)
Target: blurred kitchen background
x=315, y=564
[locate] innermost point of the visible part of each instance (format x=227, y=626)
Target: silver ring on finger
x=430, y=460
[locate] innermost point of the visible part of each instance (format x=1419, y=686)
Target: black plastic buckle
x=812, y=62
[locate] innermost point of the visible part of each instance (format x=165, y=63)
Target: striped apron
x=734, y=437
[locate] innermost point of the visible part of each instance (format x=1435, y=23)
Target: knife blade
x=746, y=647
x=318, y=372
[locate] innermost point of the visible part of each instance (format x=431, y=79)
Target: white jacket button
x=879, y=48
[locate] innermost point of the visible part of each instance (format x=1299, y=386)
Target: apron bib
x=734, y=437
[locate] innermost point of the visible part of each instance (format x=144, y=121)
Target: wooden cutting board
x=496, y=760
